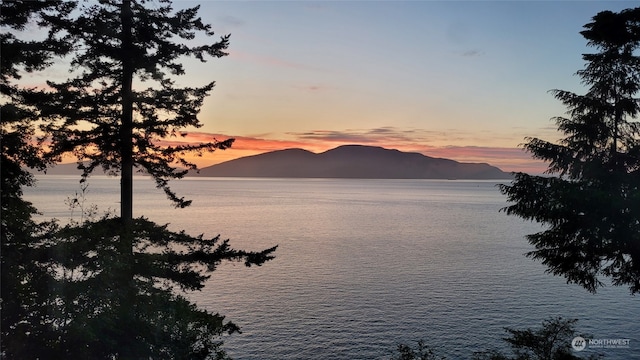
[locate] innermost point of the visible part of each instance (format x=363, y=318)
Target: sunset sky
x=465, y=80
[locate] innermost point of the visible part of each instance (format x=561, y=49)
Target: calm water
x=365, y=264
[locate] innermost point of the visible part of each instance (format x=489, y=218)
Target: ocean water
x=363, y=265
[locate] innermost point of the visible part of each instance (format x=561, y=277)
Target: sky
x=464, y=80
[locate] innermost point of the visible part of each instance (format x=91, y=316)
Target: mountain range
x=351, y=161
x=347, y=161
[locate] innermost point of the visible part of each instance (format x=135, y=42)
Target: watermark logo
x=579, y=343
x=609, y=343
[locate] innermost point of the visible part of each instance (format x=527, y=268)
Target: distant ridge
x=351, y=161
x=59, y=169
x=72, y=169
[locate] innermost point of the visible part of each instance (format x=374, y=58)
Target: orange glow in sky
x=508, y=159
x=463, y=80
x=467, y=81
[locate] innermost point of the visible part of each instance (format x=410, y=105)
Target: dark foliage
x=109, y=288
x=590, y=200
x=420, y=352
x=16, y=117
x=550, y=342
x=99, y=117
x=101, y=308
x=24, y=286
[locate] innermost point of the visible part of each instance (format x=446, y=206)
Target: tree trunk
x=127, y=313
x=126, y=126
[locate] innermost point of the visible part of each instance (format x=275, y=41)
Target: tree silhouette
x=552, y=341
x=420, y=352
x=110, y=306
x=110, y=288
x=24, y=296
x=591, y=203
x=98, y=116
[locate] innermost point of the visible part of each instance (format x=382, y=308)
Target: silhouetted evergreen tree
x=550, y=342
x=26, y=308
x=109, y=308
x=590, y=203
x=19, y=151
x=99, y=117
x=111, y=288
x=420, y=352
